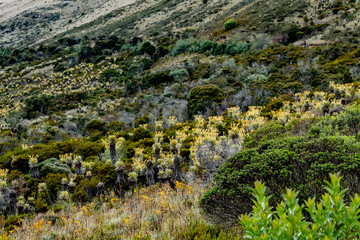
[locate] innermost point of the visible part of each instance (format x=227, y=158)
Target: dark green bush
x=270, y=130
x=156, y=79
x=141, y=133
x=42, y=202
x=278, y=83
x=109, y=75
x=88, y=149
x=104, y=173
x=80, y=195
x=36, y=105
x=53, y=183
x=99, y=59
x=142, y=120
x=300, y=163
x=230, y=24
x=21, y=163
x=147, y=48
x=202, y=97
x=95, y=125
x=115, y=126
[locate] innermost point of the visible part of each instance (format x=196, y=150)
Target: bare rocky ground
x=30, y=21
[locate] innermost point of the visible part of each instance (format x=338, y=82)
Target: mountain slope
x=25, y=22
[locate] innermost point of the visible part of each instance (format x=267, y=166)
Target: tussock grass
x=147, y=213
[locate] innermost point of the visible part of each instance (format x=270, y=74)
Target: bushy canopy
x=300, y=163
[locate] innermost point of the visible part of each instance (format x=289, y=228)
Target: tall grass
x=147, y=213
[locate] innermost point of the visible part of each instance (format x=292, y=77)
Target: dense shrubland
x=136, y=133
x=303, y=145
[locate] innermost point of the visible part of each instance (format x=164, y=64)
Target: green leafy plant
x=53, y=165
x=202, y=97
x=230, y=24
x=109, y=75
x=331, y=218
x=299, y=163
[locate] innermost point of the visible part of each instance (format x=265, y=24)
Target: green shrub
x=270, y=130
x=36, y=105
x=156, y=79
x=230, y=24
x=202, y=97
x=202, y=231
x=80, y=195
x=13, y=221
x=300, y=163
x=14, y=175
x=88, y=149
x=115, y=126
x=179, y=74
x=109, y=75
x=141, y=133
x=53, y=183
x=233, y=48
x=86, y=189
x=331, y=218
x=54, y=166
x=20, y=163
x=104, y=173
x=142, y=120
x=181, y=46
x=6, y=159
x=42, y=202
x=95, y=125
x=347, y=123
x=147, y=48
x=99, y=59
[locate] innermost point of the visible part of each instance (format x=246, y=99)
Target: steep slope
x=26, y=22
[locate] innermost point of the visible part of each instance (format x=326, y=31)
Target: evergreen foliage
x=331, y=217
x=300, y=163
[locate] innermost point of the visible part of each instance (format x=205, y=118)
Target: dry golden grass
x=147, y=213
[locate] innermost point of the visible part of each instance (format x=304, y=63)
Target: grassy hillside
x=156, y=118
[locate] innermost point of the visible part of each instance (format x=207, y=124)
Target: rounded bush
x=53, y=165
x=88, y=149
x=230, y=24
x=202, y=97
x=109, y=75
x=299, y=163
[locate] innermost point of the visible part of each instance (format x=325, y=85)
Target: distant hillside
x=27, y=22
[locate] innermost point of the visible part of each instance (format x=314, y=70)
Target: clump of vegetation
x=109, y=75
x=230, y=24
x=202, y=97
x=299, y=163
x=330, y=216
x=53, y=165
